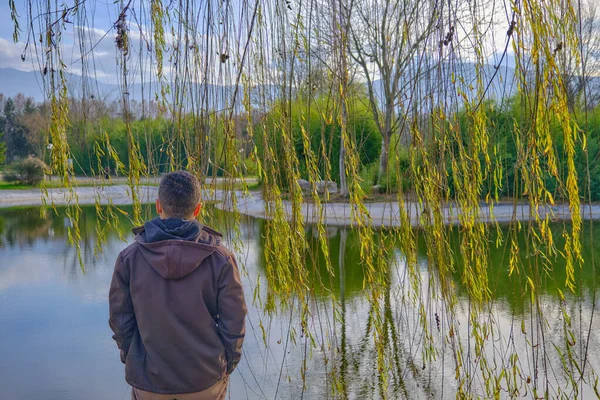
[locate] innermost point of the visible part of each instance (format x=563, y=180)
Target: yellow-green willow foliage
x=227, y=72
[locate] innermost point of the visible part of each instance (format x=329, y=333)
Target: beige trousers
x=215, y=392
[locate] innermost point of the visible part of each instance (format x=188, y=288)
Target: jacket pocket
x=135, y=347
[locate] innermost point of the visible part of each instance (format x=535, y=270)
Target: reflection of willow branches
x=342, y=277
x=393, y=335
x=88, y=243
x=404, y=362
x=285, y=351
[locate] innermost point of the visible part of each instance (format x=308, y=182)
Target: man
x=176, y=302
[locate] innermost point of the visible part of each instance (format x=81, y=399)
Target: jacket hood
x=158, y=229
x=175, y=247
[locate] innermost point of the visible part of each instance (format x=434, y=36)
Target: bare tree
x=581, y=66
x=36, y=122
x=340, y=33
x=385, y=39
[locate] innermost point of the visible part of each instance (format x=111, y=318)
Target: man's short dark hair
x=179, y=194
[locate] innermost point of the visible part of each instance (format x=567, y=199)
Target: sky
x=101, y=16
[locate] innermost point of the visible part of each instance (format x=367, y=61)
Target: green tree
x=2, y=149
x=319, y=119
x=17, y=145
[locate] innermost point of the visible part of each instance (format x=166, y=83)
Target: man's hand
x=232, y=310
x=122, y=318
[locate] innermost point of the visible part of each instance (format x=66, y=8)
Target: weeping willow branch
x=397, y=94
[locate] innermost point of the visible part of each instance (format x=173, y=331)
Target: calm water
x=55, y=342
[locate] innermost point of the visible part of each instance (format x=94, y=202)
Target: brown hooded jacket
x=177, y=308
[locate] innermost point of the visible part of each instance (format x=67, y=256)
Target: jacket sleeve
x=121, y=316
x=231, y=307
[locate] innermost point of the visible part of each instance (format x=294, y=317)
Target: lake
x=55, y=342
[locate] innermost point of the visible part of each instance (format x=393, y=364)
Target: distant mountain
x=446, y=83
x=13, y=81
x=208, y=96
x=437, y=82
x=443, y=83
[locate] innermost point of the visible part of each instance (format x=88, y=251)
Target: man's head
x=178, y=196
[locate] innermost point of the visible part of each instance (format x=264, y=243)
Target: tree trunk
x=384, y=158
x=340, y=26
x=344, y=134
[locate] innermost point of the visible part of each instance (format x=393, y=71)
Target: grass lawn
x=55, y=183
x=14, y=186
x=19, y=186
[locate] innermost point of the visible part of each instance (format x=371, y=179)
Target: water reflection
x=511, y=289
x=56, y=343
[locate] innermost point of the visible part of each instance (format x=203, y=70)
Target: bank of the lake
x=382, y=214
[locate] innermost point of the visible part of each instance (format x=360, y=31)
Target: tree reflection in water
x=330, y=344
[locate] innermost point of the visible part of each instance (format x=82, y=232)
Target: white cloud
x=10, y=56
x=92, y=45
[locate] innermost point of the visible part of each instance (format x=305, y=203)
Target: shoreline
x=383, y=214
